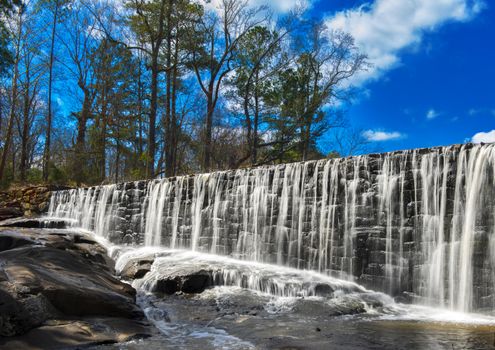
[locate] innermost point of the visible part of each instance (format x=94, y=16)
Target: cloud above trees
x=384, y=28
x=380, y=135
x=277, y=6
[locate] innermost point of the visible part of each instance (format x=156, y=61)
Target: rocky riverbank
x=58, y=290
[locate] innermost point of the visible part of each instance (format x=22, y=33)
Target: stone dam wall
x=416, y=224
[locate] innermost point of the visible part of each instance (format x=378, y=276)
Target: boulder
x=57, y=290
x=322, y=289
x=187, y=281
x=80, y=243
x=72, y=284
x=135, y=269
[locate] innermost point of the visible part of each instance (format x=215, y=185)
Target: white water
x=284, y=287
x=265, y=278
x=279, y=289
x=414, y=221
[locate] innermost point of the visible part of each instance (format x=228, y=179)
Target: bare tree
x=309, y=90
x=56, y=9
x=260, y=56
x=349, y=141
x=80, y=41
x=148, y=22
x=30, y=81
x=213, y=55
x=19, y=23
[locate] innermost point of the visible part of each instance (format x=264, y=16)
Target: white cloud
x=278, y=6
x=379, y=135
x=481, y=111
x=473, y=111
x=432, y=114
x=281, y=5
x=486, y=137
x=385, y=27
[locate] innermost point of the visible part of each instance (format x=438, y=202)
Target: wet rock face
x=47, y=276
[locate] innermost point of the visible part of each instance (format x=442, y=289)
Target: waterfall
x=418, y=224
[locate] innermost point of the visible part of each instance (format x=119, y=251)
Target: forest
x=106, y=91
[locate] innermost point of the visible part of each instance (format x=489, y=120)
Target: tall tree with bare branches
x=19, y=23
x=217, y=36
x=55, y=7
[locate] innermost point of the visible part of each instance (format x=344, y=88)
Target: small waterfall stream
x=417, y=224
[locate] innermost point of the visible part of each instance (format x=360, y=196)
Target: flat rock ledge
x=58, y=291
x=36, y=222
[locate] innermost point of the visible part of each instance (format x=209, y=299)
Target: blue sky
x=434, y=69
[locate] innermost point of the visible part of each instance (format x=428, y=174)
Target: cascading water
x=416, y=223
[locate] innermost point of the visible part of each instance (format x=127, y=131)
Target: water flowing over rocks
x=415, y=224
x=57, y=290
x=206, y=301
x=189, y=272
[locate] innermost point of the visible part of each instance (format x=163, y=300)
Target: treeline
x=107, y=91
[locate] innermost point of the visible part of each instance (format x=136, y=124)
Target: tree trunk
x=1, y=113
x=117, y=155
x=14, y=158
x=208, y=131
x=103, y=119
x=10, y=124
x=140, y=97
x=46, y=155
x=210, y=108
x=25, y=131
x=103, y=143
x=153, y=112
x=175, y=123
x=168, y=95
x=80, y=159
x=249, y=127
x=254, y=149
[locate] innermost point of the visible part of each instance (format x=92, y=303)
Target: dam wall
x=417, y=224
